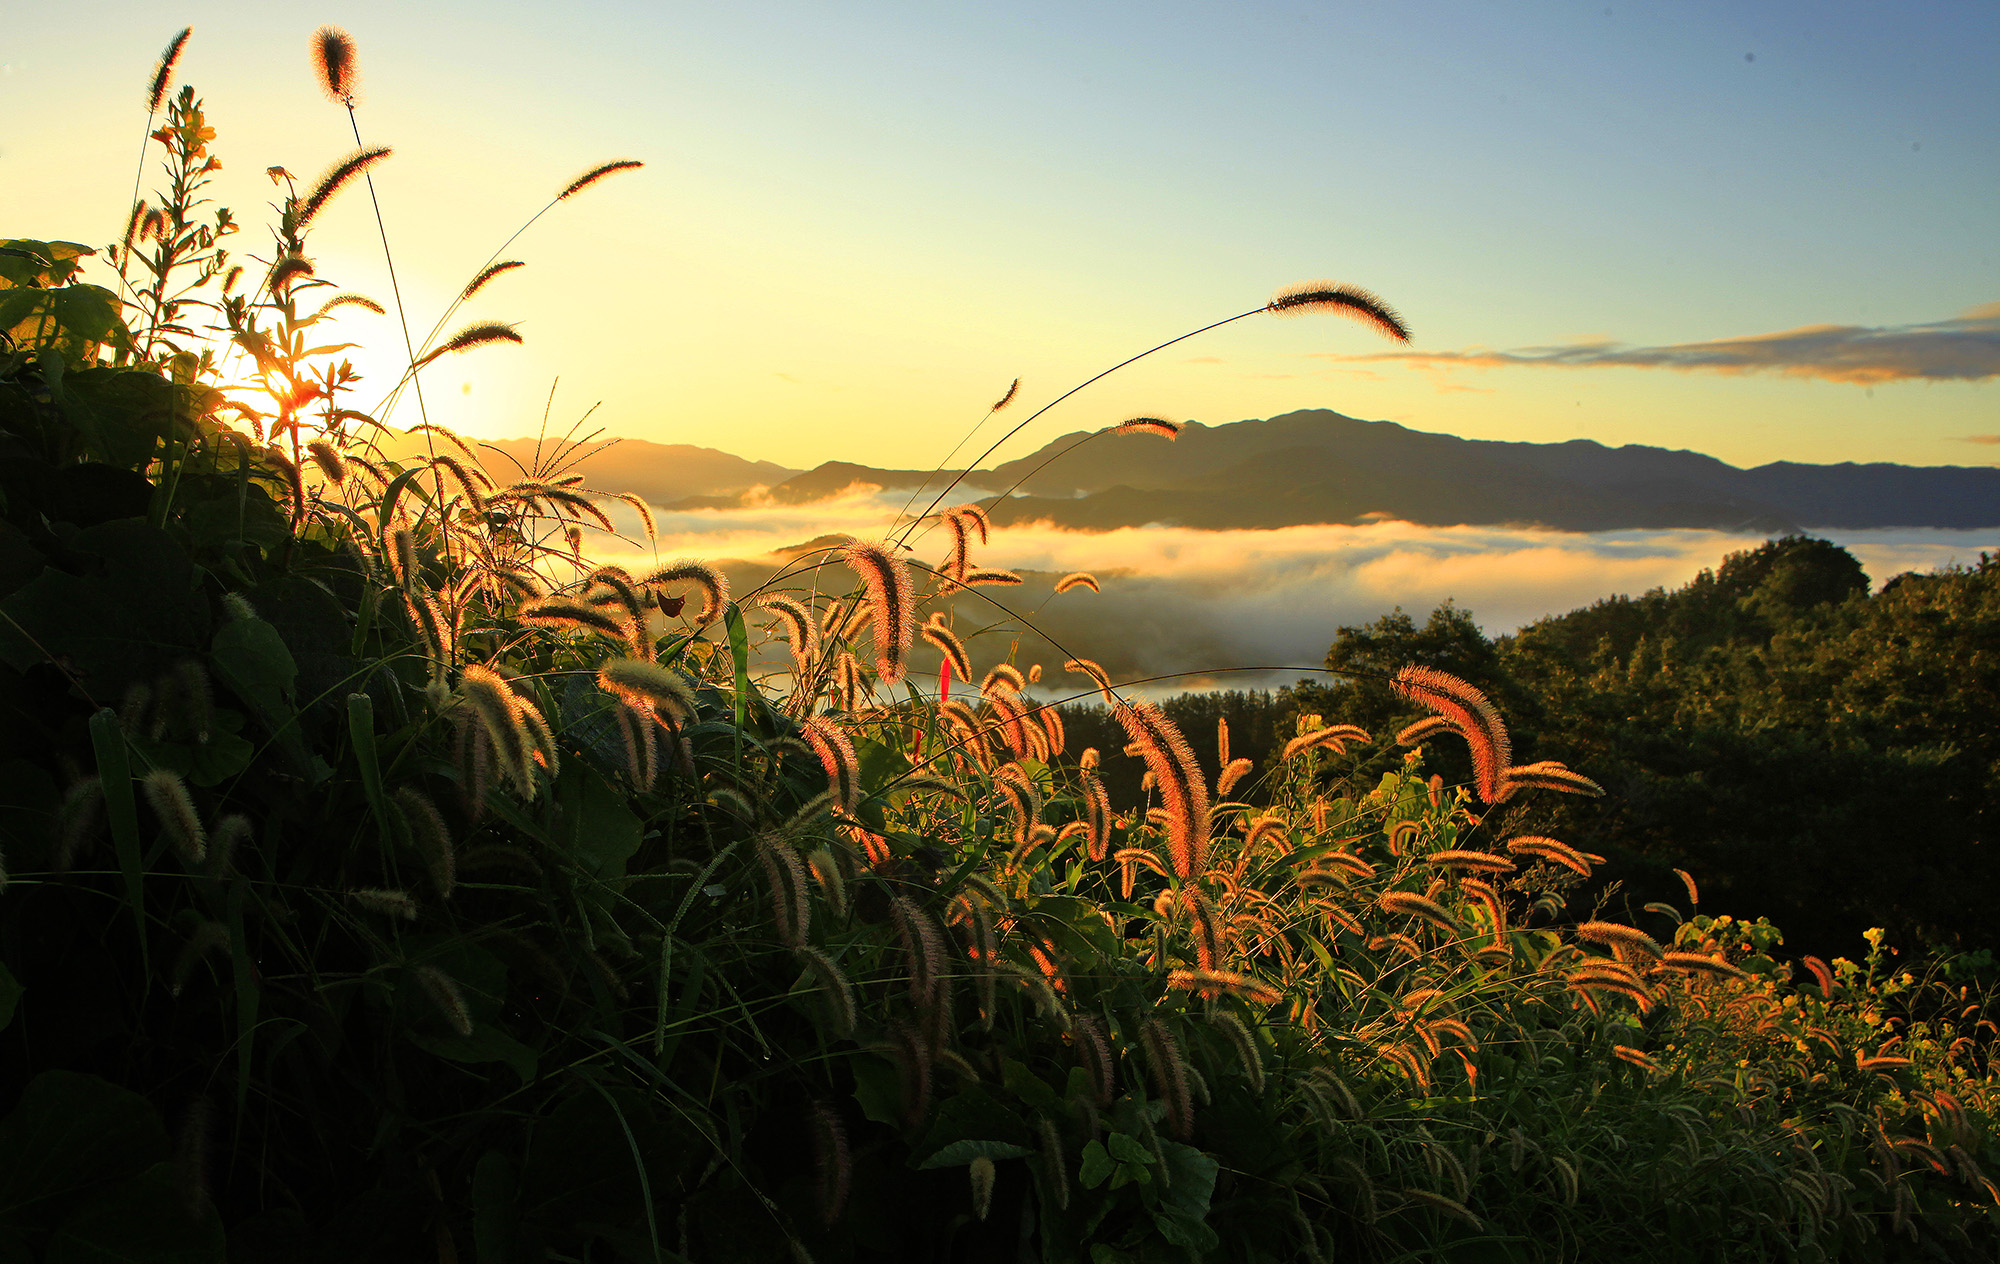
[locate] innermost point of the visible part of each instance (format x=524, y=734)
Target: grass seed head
x=168, y=796
x=334, y=62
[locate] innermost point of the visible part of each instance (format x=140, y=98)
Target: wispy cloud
x=1179, y=600
x=1965, y=348
x=1994, y=438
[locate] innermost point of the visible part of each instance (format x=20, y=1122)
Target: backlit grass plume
x=333, y=61
x=1470, y=715
x=1183, y=790
x=1342, y=300
x=163, y=72
x=892, y=605
x=714, y=586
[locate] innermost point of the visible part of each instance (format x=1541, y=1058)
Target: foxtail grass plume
x=961, y=522
x=982, y=1175
x=595, y=174
x=1470, y=715
x=334, y=62
x=1687, y=880
x=713, y=583
x=334, y=179
x=1003, y=676
x=566, y=613
x=445, y=995
x=1410, y=904
x=836, y=754
x=831, y=1163
x=990, y=575
x=1334, y=736
x=474, y=335
x=1077, y=579
x=1213, y=983
x=1232, y=774
x=486, y=274
x=1550, y=850
x=1170, y=1078
x=1097, y=675
x=801, y=629
x=892, y=605
x=1148, y=426
x=1613, y=934
x=386, y=902
x=648, y=687
x=168, y=795
x=163, y=72
x=998, y=404
x=946, y=642
x=1548, y=774
x=1343, y=300
x=1700, y=962
x=1183, y=790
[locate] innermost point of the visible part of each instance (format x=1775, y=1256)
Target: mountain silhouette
x=1318, y=466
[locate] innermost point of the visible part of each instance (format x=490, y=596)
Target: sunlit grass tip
x=1343, y=300
x=892, y=604
x=1158, y=426
x=163, y=72
x=334, y=62
x=595, y=174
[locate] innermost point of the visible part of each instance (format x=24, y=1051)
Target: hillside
x=1817, y=753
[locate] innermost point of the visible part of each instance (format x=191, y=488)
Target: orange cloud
x=1965, y=348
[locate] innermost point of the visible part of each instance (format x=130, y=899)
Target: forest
x=1827, y=755
x=384, y=878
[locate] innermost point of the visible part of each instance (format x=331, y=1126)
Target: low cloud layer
x=1963, y=349
x=1214, y=603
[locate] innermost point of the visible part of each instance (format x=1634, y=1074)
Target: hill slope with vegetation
x=1825, y=756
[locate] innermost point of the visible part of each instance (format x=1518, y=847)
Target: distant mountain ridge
x=1319, y=466
x=661, y=473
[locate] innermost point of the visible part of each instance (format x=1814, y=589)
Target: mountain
x=662, y=473
x=1318, y=466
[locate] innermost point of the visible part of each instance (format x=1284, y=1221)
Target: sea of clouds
x=1244, y=609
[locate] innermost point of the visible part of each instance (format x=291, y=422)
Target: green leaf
x=960, y=1153
x=142, y=1220
x=876, y=1088
x=1026, y=1085
x=134, y=613
x=10, y=996
x=1128, y=1149
x=70, y=1132
x=252, y=659
x=1096, y=1167
x=1182, y=1213
x=361, y=733
x=485, y=1044
x=114, y=773
x=603, y=833
x=493, y=1220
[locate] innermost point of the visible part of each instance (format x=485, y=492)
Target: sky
x=1765, y=232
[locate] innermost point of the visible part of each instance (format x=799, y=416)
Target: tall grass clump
x=386, y=879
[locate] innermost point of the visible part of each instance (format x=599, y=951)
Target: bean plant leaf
x=72, y=1131
x=960, y=1153
x=141, y=1220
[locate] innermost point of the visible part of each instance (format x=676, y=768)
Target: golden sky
x=1761, y=232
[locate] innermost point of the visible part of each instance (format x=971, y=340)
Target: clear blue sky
x=859, y=222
